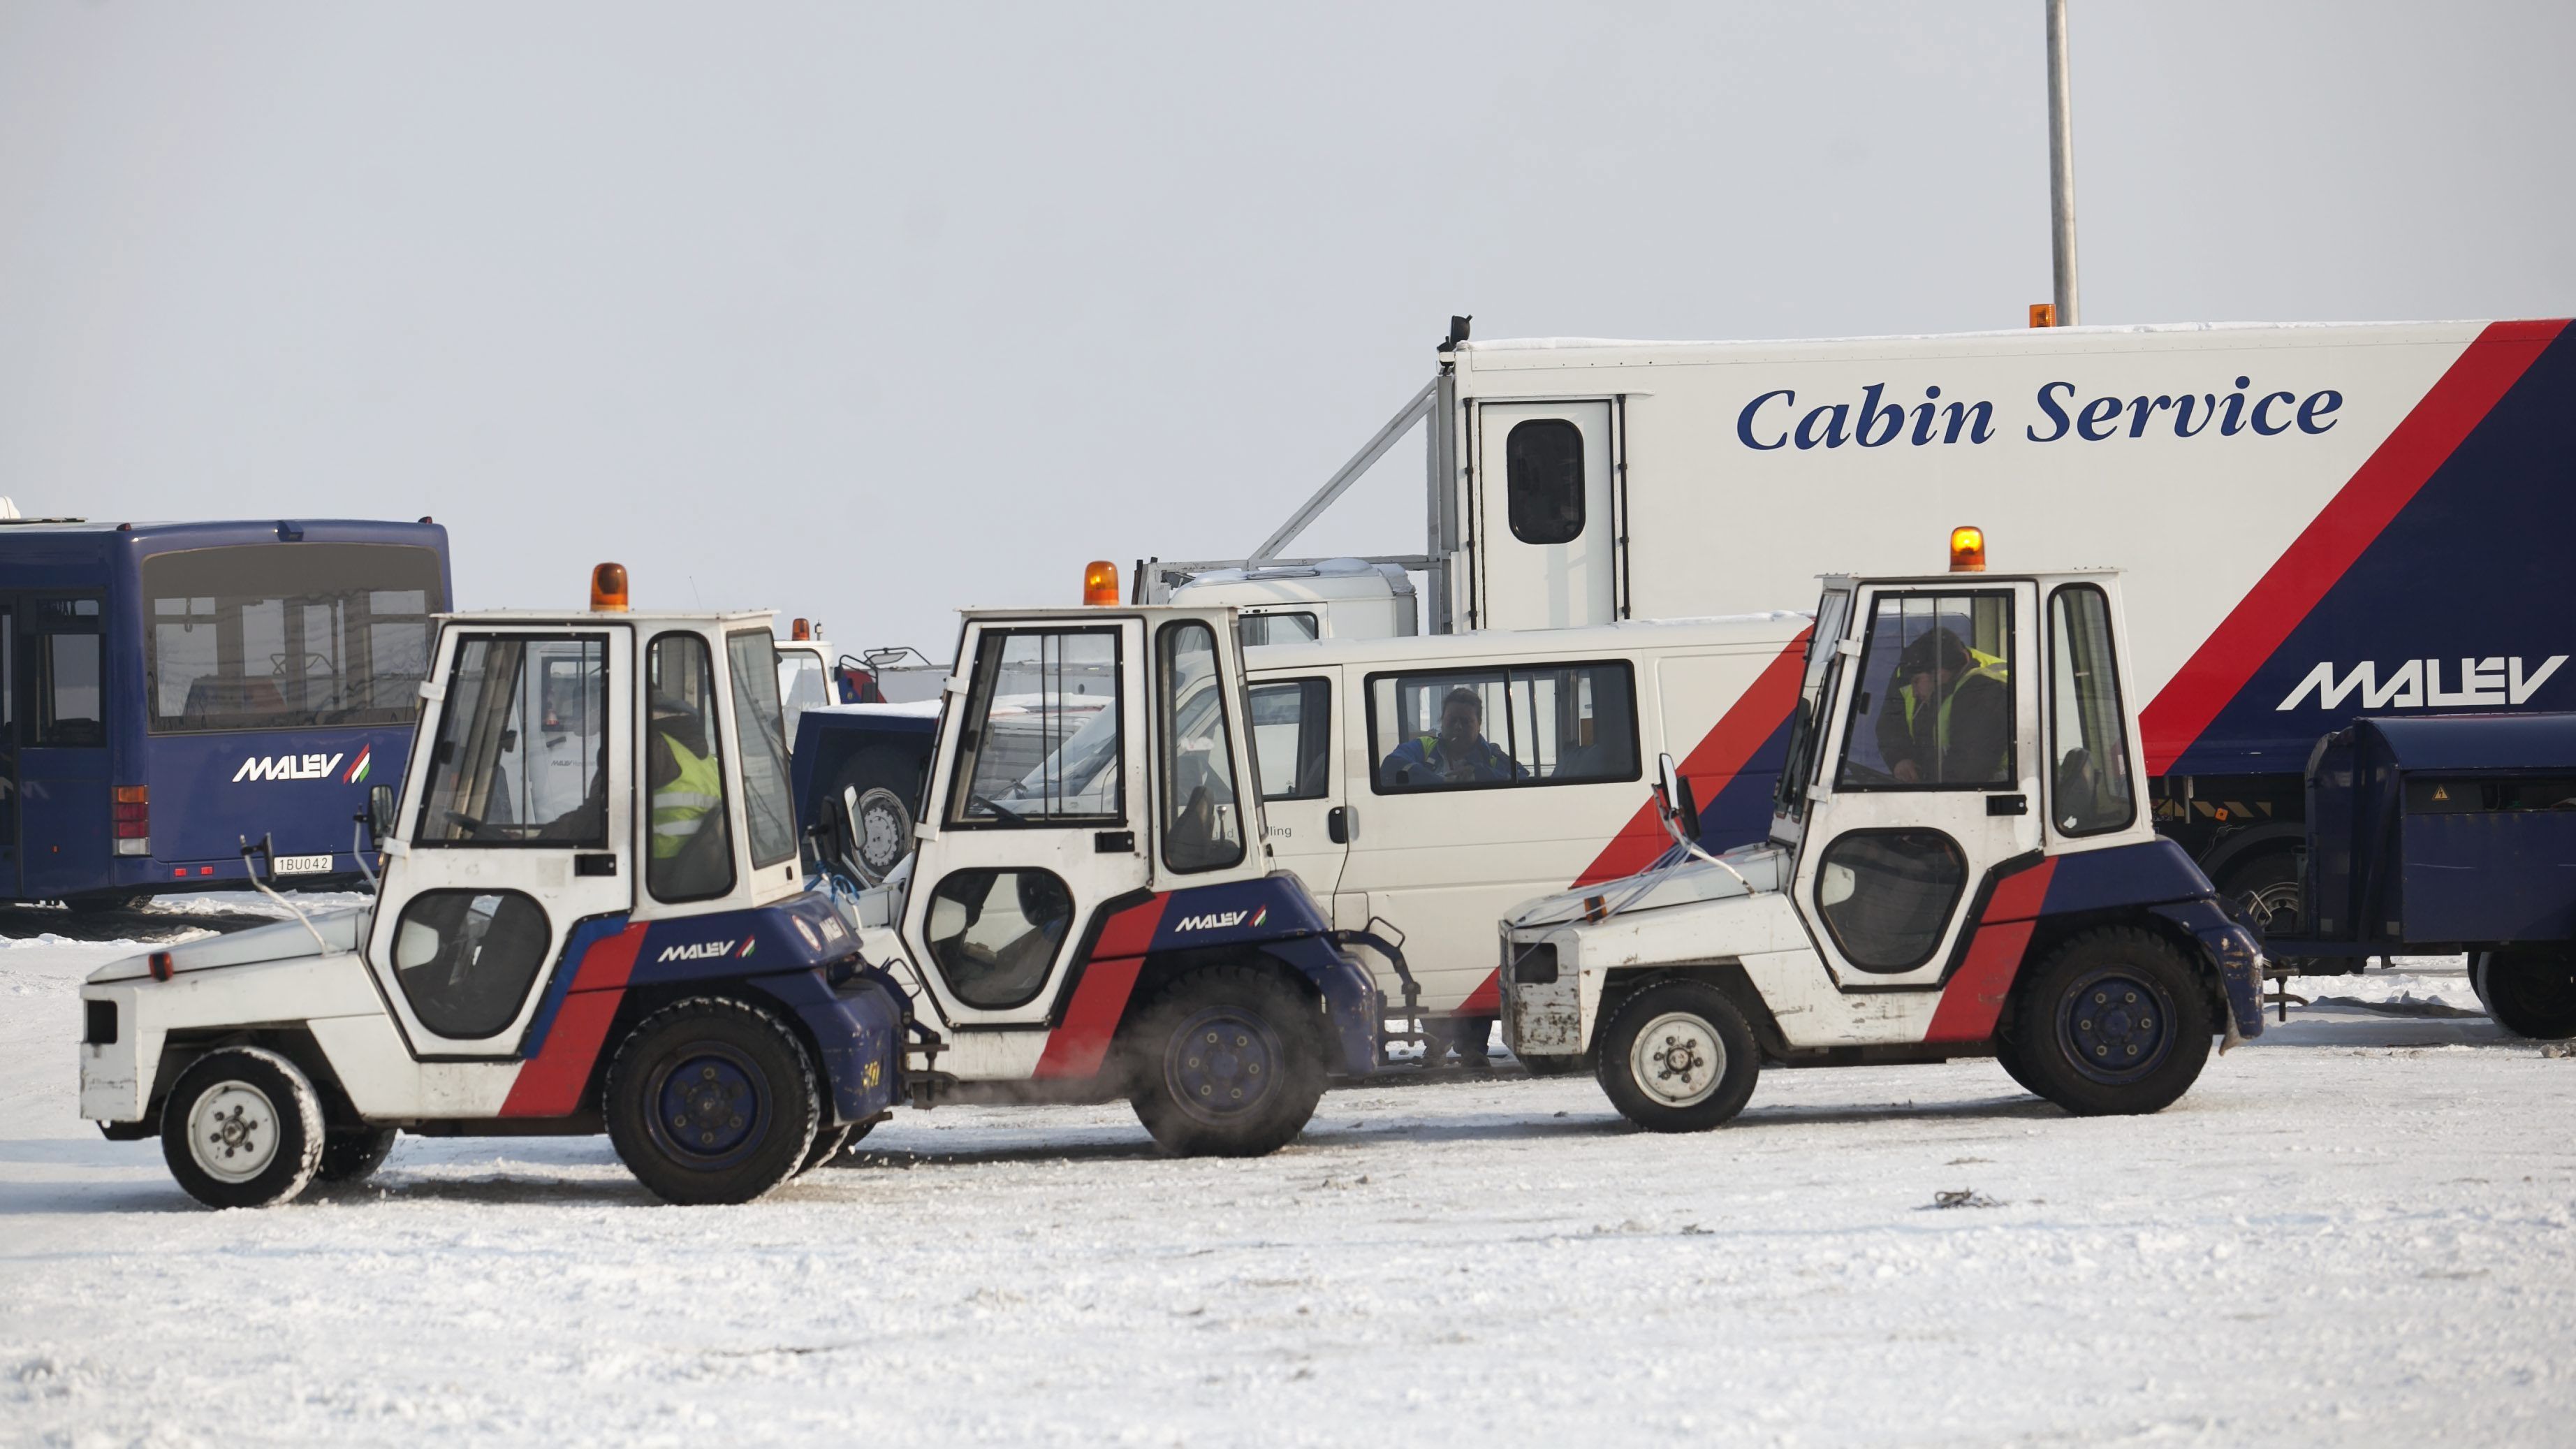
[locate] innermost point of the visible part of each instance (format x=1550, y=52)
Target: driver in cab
x=1458, y=755
x=1948, y=719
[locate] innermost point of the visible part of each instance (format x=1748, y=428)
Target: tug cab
x=1959, y=864
x=592, y=916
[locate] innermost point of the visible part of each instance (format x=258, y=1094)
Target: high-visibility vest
x=1992, y=667
x=680, y=807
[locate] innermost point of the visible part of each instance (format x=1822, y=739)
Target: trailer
x=2315, y=521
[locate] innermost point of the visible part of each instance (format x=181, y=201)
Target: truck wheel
x=2008, y=1057
x=712, y=1100
x=1225, y=1063
x=1678, y=1057
x=2114, y=1023
x=2530, y=992
x=355, y=1154
x=2268, y=885
x=242, y=1128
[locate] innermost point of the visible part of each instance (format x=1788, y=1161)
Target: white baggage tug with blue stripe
x=594, y=916
x=1960, y=863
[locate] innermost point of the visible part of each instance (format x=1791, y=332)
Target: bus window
x=68, y=701
x=267, y=636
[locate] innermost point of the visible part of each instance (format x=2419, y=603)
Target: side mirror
x=1674, y=799
x=380, y=813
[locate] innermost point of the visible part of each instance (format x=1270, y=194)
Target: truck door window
x=1202, y=823
x=2088, y=734
x=1043, y=743
x=1543, y=480
x=801, y=686
x=995, y=932
x=467, y=958
x=691, y=857
x=767, y=804
x=1886, y=895
x=1538, y=724
x=1934, y=706
x=1292, y=727
x=521, y=751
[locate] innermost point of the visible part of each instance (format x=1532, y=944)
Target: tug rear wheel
x=2530, y=991
x=1678, y=1057
x=828, y=1144
x=1225, y=1063
x=712, y=1100
x=242, y=1128
x=2113, y=1023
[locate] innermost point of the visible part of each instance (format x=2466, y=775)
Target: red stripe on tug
x=551, y=1085
x=2242, y=643
x=1975, y=997
x=1077, y=1047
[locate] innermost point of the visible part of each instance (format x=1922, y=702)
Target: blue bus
x=172, y=688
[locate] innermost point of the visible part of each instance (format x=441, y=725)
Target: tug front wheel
x=242, y=1128
x=1678, y=1057
x=2114, y=1023
x=712, y=1100
x=1225, y=1063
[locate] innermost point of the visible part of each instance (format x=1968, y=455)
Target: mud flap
x=2238, y=958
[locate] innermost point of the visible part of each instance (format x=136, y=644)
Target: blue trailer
x=172, y=688
x=2449, y=835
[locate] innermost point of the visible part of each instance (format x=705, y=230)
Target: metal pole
x=2061, y=168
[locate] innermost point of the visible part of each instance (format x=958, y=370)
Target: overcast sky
x=873, y=311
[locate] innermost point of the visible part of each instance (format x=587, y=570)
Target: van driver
x=1458, y=755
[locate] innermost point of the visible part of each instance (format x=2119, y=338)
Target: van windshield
x=288, y=635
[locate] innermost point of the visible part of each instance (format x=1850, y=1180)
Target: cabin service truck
x=593, y=915
x=2314, y=522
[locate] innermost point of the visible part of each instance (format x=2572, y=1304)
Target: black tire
x=2008, y=1057
x=712, y=1100
x=2530, y=990
x=828, y=1144
x=354, y=1155
x=1227, y=1061
x=1677, y=1057
x=889, y=800
x=2116, y=1022
x=106, y=904
x=242, y=1127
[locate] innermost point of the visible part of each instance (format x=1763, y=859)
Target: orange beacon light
x=1100, y=582
x=1967, y=549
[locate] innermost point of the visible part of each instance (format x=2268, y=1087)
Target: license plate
x=303, y=865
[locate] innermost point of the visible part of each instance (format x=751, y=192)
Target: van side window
x=1540, y=724
x=2088, y=736
x=1543, y=480
x=1258, y=629
x=1934, y=705
x=1292, y=728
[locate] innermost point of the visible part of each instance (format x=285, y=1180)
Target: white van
x=1435, y=781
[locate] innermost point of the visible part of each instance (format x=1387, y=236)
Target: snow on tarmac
x=2362, y=1227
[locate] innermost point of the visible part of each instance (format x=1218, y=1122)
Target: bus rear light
x=133, y=819
x=1100, y=582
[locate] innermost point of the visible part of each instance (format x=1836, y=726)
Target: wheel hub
x=2115, y=1026
x=233, y=1131
x=1677, y=1059
x=1221, y=1064
x=709, y=1106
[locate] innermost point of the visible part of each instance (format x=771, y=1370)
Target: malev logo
x=707, y=950
x=291, y=767
x=1222, y=920
x=2418, y=683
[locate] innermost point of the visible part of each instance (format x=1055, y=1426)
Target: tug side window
x=521, y=757
x=1886, y=895
x=691, y=857
x=1202, y=822
x=1934, y=710
x=2088, y=734
x=467, y=958
x=995, y=932
x=1043, y=743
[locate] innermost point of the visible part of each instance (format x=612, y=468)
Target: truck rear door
x=1546, y=527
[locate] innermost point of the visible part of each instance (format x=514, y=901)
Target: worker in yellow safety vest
x=686, y=776
x=1948, y=720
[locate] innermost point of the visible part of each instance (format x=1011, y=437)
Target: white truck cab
x=592, y=915
x=1960, y=862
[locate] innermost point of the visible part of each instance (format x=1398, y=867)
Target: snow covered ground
x=2362, y=1228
